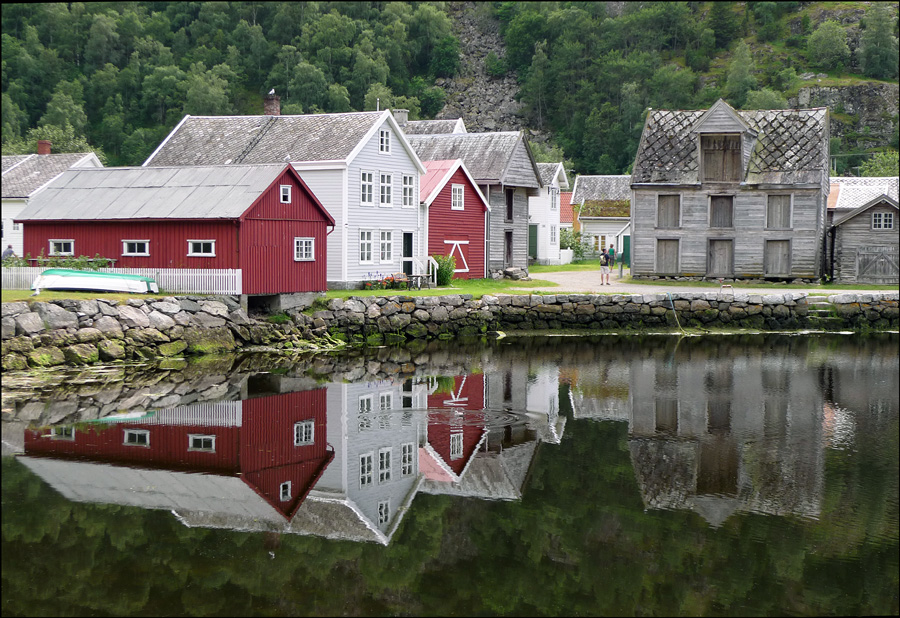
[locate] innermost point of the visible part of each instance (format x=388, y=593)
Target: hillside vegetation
x=116, y=77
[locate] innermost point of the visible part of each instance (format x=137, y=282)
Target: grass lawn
x=9, y=296
x=476, y=287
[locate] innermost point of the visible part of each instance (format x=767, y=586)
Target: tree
x=765, y=99
x=724, y=22
x=534, y=90
x=883, y=164
x=878, y=46
x=66, y=106
x=206, y=93
x=378, y=97
x=63, y=139
x=740, y=76
x=13, y=119
x=827, y=46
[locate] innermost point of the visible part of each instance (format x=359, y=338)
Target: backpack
x=604, y=260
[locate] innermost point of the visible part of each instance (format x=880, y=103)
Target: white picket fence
x=169, y=280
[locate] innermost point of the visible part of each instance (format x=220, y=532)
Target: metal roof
x=25, y=174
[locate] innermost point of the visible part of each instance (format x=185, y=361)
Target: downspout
x=830, y=256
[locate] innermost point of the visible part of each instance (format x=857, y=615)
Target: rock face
x=863, y=116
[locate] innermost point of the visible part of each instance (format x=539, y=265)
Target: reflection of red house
x=456, y=428
x=276, y=445
x=457, y=212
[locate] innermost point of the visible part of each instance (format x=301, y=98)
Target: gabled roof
x=593, y=188
x=849, y=192
x=790, y=147
x=194, y=192
x=549, y=171
x=432, y=127
x=233, y=140
x=486, y=155
x=438, y=174
x=881, y=200
x=566, y=214
x=24, y=175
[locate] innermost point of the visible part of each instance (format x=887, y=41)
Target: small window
x=304, y=249
x=456, y=201
x=554, y=198
x=456, y=444
x=16, y=226
x=135, y=247
x=384, y=141
x=62, y=247
x=721, y=158
x=366, y=470
x=201, y=443
x=387, y=247
x=409, y=191
x=62, y=433
x=668, y=211
x=137, y=437
x=365, y=413
x=778, y=212
x=285, y=194
x=552, y=234
x=384, y=189
x=284, y=491
x=721, y=211
x=202, y=248
x=384, y=512
x=366, y=188
x=365, y=247
x=304, y=433
x=407, y=459
x=384, y=465
x=882, y=220
x=510, y=195
x=386, y=401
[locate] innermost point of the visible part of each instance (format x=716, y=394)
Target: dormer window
x=722, y=160
x=384, y=141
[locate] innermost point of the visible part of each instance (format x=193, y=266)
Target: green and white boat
x=93, y=281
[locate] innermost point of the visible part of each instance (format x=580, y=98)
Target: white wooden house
x=544, y=214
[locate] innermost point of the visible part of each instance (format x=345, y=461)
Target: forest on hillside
x=115, y=77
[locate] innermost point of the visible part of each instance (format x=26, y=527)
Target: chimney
x=272, y=105
x=401, y=116
x=43, y=146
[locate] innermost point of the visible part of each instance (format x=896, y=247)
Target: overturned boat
x=93, y=281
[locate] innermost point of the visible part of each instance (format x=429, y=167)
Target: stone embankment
x=73, y=332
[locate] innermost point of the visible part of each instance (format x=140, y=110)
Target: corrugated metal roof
x=152, y=193
x=849, y=192
x=25, y=174
x=486, y=155
x=434, y=175
x=590, y=188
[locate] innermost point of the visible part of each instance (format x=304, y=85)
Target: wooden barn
x=262, y=220
x=865, y=244
x=723, y=193
x=457, y=216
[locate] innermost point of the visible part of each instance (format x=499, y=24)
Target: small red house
x=457, y=216
x=261, y=219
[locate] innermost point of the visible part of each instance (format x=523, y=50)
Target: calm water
x=724, y=475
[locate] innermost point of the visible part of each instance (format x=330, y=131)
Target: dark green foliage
x=879, y=49
x=445, y=58
x=494, y=65
x=725, y=22
x=446, y=266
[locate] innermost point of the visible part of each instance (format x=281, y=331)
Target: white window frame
x=366, y=469
x=367, y=188
x=193, y=253
x=384, y=512
x=456, y=443
x=384, y=141
x=407, y=459
x=457, y=197
x=364, y=414
x=386, y=401
x=284, y=491
x=60, y=251
x=285, y=193
x=365, y=247
x=304, y=249
x=201, y=438
x=385, y=190
x=136, y=433
x=552, y=234
x=409, y=191
x=62, y=432
x=144, y=253
x=386, y=246
x=305, y=432
x=554, y=198
x=16, y=226
x=384, y=464
x=882, y=221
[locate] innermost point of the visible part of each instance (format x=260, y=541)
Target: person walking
x=612, y=256
x=8, y=253
x=604, y=268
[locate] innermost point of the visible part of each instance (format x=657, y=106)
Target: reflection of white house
x=544, y=214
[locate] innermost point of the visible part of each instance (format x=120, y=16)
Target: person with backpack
x=604, y=268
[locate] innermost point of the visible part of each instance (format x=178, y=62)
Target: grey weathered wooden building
x=723, y=193
x=865, y=244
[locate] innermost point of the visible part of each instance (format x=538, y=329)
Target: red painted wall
x=267, y=439
x=469, y=396
x=468, y=224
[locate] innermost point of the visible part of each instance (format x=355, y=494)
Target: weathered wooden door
x=720, y=261
x=877, y=264
x=667, y=257
x=777, y=260
x=507, y=249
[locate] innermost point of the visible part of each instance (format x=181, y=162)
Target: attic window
x=384, y=141
x=882, y=220
x=456, y=202
x=721, y=158
x=285, y=194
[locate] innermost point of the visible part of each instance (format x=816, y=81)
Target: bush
x=446, y=266
x=495, y=66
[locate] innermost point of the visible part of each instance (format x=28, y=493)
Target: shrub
x=495, y=66
x=446, y=266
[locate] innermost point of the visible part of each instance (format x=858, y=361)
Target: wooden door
x=720, y=261
x=532, y=241
x=508, y=249
x=877, y=264
x=777, y=260
x=667, y=257
x=408, y=253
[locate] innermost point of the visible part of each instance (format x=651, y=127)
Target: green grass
x=476, y=287
x=9, y=296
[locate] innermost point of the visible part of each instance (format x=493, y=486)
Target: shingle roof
x=791, y=147
x=565, y=207
x=25, y=174
x=223, y=140
x=486, y=155
x=210, y=192
x=588, y=188
x=549, y=171
x=849, y=192
x=432, y=127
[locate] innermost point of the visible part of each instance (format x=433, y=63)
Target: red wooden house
x=456, y=428
x=274, y=445
x=260, y=219
x=457, y=216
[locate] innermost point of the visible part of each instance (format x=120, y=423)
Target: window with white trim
x=137, y=437
x=882, y=220
x=285, y=194
x=384, y=141
x=135, y=247
x=62, y=246
x=365, y=413
x=366, y=470
x=63, y=432
x=409, y=191
x=305, y=432
x=386, y=401
x=16, y=226
x=554, y=198
x=456, y=444
x=202, y=248
x=456, y=198
x=407, y=459
x=552, y=234
x=366, y=189
x=304, y=249
x=198, y=442
x=284, y=491
x=365, y=246
x=384, y=465
x=384, y=189
x=386, y=246
x=384, y=512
